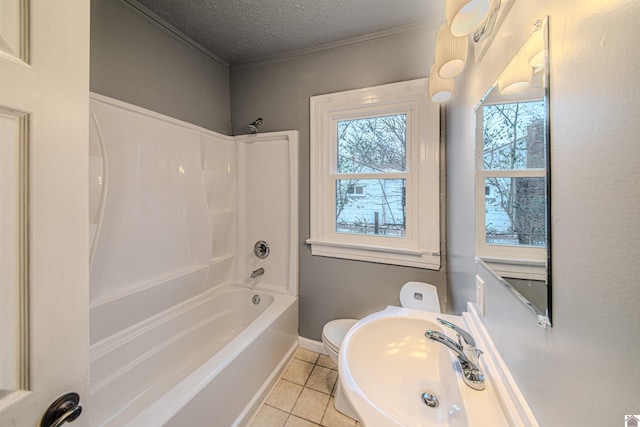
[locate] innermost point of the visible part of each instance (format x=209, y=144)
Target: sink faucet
x=256, y=273
x=468, y=354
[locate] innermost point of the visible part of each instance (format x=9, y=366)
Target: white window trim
x=519, y=262
x=421, y=246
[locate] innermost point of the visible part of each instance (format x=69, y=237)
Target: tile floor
x=303, y=396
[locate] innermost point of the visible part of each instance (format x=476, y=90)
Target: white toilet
x=414, y=295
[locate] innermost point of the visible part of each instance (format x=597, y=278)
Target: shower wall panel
x=154, y=221
x=267, y=209
x=219, y=177
x=179, y=209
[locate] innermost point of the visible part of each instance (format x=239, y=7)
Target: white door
x=44, y=279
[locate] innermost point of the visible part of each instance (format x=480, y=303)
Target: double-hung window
x=375, y=175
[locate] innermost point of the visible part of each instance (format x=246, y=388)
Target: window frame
x=421, y=245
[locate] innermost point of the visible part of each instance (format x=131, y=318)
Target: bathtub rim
x=163, y=409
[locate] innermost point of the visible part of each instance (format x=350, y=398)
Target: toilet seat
x=334, y=332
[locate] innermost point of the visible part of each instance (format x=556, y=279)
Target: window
x=511, y=174
x=355, y=190
x=375, y=175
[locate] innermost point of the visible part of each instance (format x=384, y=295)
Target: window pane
x=372, y=145
x=513, y=136
x=516, y=211
x=371, y=206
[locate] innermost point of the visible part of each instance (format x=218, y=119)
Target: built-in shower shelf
x=221, y=259
x=149, y=284
x=222, y=211
x=217, y=172
x=121, y=310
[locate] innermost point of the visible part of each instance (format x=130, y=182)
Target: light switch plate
x=480, y=294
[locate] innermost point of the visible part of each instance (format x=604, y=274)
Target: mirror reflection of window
x=514, y=143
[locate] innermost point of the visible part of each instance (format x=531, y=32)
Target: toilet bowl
x=414, y=295
x=333, y=333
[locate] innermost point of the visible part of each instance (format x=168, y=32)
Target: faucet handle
x=466, y=336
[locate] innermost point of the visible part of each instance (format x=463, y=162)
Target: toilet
x=414, y=295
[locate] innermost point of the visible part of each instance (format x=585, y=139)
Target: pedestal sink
x=387, y=365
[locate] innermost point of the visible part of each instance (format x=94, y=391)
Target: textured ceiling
x=243, y=30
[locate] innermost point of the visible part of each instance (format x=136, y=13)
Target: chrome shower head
x=253, y=127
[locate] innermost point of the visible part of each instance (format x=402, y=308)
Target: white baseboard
x=313, y=345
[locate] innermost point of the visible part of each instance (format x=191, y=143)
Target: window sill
x=378, y=254
x=527, y=269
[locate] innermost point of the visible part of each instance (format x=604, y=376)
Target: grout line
x=330, y=395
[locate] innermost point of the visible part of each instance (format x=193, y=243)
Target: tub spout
x=256, y=273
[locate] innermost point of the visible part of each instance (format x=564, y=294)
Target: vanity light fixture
x=516, y=77
x=451, y=53
x=465, y=16
x=440, y=90
x=534, y=50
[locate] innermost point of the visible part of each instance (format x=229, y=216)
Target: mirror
x=512, y=176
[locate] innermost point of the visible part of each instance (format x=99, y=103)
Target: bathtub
x=237, y=349
x=175, y=210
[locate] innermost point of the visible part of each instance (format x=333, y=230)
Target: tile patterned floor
x=303, y=396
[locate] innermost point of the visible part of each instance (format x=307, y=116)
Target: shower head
x=253, y=127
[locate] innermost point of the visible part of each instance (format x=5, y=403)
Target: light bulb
x=440, y=90
x=451, y=53
x=464, y=16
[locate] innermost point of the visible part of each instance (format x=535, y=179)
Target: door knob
x=64, y=409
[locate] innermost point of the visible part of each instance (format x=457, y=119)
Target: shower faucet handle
x=261, y=249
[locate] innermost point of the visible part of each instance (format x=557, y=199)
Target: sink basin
x=386, y=364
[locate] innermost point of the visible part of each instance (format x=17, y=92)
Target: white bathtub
x=176, y=210
x=208, y=361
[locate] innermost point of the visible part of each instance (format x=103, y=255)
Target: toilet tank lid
x=335, y=330
x=420, y=296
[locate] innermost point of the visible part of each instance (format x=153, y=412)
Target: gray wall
x=584, y=369
x=134, y=60
x=279, y=92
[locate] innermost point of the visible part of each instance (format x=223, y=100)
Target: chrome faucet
x=256, y=273
x=468, y=354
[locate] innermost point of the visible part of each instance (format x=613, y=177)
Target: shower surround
x=178, y=336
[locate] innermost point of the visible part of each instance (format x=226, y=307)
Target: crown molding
x=168, y=28
x=337, y=44
x=173, y=31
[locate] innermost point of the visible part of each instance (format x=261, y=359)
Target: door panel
x=44, y=81
x=12, y=251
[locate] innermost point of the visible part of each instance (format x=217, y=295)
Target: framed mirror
x=513, y=236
